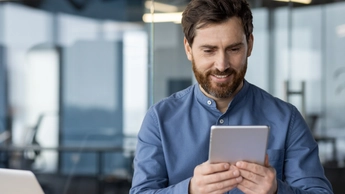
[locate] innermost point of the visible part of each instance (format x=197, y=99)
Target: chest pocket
x=276, y=159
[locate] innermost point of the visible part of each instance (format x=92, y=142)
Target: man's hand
x=214, y=178
x=257, y=179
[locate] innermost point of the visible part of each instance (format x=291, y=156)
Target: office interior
x=76, y=79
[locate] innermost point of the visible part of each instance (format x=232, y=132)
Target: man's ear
x=250, y=45
x=188, y=49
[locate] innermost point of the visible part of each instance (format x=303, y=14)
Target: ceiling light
x=163, y=17
x=341, y=30
x=296, y=1
x=161, y=7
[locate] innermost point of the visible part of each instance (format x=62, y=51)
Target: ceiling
x=274, y=4
x=131, y=10
x=257, y=3
x=119, y=10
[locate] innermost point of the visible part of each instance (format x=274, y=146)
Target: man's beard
x=221, y=90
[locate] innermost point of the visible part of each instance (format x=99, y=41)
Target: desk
x=60, y=149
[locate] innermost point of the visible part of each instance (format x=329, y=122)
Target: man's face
x=219, y=57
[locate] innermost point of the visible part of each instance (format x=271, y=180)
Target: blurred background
x=77, y=76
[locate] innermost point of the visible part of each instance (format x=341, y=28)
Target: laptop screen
x=18, y=182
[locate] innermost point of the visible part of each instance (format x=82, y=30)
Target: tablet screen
x=238, y=143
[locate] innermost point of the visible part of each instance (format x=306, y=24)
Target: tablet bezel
x=238, y=143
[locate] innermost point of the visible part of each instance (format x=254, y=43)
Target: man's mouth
x=221, y=76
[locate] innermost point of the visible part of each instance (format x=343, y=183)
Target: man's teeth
x=221, y=76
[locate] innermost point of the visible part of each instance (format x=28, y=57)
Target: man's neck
x=223, y=103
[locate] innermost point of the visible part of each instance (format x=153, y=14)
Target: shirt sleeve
x=303, y=172
x=150, y=174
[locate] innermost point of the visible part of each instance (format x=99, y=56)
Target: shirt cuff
x=182, y=187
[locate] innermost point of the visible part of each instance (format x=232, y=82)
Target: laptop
x=14, y=181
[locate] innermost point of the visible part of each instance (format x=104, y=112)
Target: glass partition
x=75, y=87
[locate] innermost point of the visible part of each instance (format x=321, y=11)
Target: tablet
x=238, y=143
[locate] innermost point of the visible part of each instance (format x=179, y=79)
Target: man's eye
x=208, y=51
x=235, y=49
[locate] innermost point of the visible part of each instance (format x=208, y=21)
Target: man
x=173, y=142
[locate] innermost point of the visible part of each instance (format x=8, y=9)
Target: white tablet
x=238, y=143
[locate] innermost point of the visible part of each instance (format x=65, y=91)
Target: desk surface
x=67, y=148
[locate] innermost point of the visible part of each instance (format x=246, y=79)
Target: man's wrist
x=190, y=186
x=276, y=192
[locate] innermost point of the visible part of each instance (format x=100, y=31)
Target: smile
x=221, y=76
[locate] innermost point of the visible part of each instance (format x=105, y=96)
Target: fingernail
x=226, y=166
x=236, y=173
x=239, y=179
x=238, y=164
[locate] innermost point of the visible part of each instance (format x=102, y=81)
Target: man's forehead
x=226, y=32
x=232, y=24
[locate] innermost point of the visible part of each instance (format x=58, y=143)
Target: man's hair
x=200, y=13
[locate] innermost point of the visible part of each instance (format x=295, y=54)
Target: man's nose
x=222, y=62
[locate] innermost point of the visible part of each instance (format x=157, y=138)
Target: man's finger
x=251, y=167
x=207, y=168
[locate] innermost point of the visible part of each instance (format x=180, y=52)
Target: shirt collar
x=209, y=102
x=241, y=94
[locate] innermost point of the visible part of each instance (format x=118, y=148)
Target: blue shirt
x=174, y=139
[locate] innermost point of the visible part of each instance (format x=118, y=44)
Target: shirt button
x=209, y=102
x=221, y=121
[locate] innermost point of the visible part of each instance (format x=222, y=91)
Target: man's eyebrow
x=208, y=46
x=235, y=45
x=214, y=47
